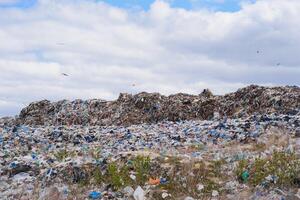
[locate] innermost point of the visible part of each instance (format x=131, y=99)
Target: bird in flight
x=257, y=51
x=64, y=74
x=278, y=64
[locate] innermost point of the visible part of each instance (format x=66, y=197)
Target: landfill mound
x=153, y=107
x=243, y=145
x=253, y=158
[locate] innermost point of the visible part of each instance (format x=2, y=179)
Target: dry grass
x=184, y=178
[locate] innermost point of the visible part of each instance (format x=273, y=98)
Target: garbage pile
x=243, y=145
x=256, y=99
x=152, y=107
x=256, y=157
x=7, y=121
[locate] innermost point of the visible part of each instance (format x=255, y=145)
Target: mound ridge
x=153, y=107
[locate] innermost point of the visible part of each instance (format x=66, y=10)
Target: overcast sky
x=108, y=47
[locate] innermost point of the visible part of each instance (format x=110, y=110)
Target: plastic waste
x=245, y=176
x=164, y=195
x=128, y=191
x=163, y=181
x=21, y=177
x=214, y=193
x=95, y=195
x=155, y=181
x=200, y=187
x=272, y=179
x=139, y=194
x=298, y=194
x=49, y=155
x=133, y=177
x=189, y=198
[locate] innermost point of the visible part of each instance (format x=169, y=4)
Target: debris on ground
x=148, y=146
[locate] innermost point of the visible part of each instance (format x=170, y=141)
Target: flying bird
x=64, y=74
x=278, y=64
x=257, y=51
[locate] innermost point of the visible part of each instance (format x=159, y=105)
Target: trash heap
x=152, y=107
x=244, y=145
x=192, y=159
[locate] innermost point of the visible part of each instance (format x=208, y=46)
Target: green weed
x=97, y=176
x=118, y=177
x=142, y=167
x=61, y=155
x=285, y=167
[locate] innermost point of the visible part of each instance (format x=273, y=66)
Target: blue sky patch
x=19, y=4
x=215, y=5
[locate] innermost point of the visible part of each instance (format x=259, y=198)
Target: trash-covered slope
x=152, y=107
x=263, y=100
x=249, y=148
x=253, y=158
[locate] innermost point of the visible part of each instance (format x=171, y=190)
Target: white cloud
x=105, y=50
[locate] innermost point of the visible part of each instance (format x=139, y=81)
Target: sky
x=166, y=46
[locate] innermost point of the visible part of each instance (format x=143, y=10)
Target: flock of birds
x=133, y=85
x=278, y=64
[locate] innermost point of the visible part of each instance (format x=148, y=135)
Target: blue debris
x=13, y=165
x=163, y=181
x=95, y=195
x=34, y=156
